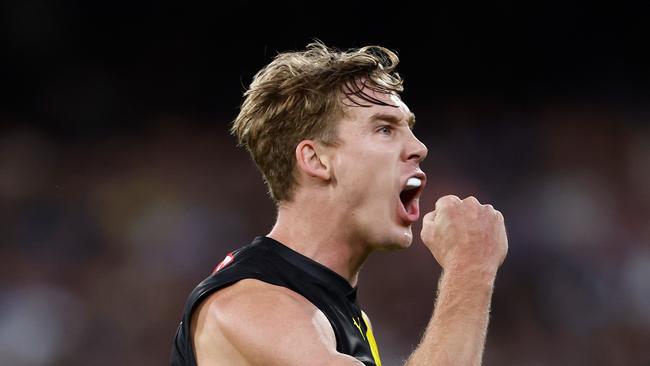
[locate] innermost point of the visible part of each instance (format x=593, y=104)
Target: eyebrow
x=393, y=118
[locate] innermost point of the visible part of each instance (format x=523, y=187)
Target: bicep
x=269, y=325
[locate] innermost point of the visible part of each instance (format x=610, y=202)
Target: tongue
x=407, y=197
x=409, y=208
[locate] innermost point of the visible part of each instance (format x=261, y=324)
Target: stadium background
x=120, y=187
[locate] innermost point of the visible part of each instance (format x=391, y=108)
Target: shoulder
x=257, y=303
x=260, y=323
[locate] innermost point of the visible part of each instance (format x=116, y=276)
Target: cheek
x=365, y=176
x=374, y=193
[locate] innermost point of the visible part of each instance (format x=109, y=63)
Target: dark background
x=120, y=187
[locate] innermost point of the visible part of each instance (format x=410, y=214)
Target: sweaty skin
x=346, y=205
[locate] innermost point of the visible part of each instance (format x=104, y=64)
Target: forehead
x=361, y=110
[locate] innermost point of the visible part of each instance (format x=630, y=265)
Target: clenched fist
x=465, y=235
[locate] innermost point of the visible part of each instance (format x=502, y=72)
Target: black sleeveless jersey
x=270, y=261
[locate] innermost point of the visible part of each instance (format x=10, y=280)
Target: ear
x=312, y=160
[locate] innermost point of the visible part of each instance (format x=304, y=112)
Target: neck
x=318, y=232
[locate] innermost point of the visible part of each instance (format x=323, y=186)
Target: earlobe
x=312, y=160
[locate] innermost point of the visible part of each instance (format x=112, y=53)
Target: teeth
x=413, y=182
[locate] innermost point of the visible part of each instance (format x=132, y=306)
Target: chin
x=399, y=239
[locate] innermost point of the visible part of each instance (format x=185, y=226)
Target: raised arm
x=469, y=241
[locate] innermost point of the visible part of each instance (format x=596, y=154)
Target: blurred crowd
x=102, y=238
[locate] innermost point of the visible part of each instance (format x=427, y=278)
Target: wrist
x=470, y=274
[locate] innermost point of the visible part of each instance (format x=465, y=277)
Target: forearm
x=456, y=333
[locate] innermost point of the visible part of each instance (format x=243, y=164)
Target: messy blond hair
x=300, y=95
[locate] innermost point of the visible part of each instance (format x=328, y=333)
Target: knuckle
x=451, y=198
x=447, y=200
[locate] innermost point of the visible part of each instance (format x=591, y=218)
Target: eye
x=385, y=130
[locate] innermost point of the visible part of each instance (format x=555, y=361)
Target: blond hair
x=300, y=95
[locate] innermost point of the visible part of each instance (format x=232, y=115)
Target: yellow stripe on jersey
x=358, y=325
x=371, y=339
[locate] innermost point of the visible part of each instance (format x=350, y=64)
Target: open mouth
x=409, y=197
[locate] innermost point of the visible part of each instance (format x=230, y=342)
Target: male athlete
x=333, y=140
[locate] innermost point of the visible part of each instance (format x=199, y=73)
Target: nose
x=415, y=149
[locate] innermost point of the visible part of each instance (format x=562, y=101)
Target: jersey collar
x=320, y=272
